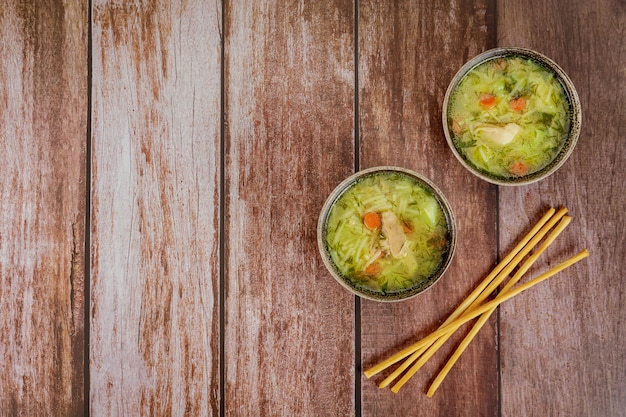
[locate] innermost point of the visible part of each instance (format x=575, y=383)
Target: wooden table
x=163, y=165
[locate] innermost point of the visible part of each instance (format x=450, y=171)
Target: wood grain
x=155, y=208
x=43, y=102
x=563, y=349
x=408, y=53
x=166, y=244
x=289, y=91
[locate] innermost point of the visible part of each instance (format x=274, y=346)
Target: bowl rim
x=341, y=188
x=570, y=91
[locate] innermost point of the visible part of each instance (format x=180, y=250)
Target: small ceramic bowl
x=436, y=232
x=495, y=129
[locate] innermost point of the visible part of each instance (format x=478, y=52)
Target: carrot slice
x=519, y=168
x=518, y=104
x=372, y=220
x=488, y=101
x=373, y=269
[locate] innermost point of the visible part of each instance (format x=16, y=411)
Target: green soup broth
x=402, y=251
x=509, y=116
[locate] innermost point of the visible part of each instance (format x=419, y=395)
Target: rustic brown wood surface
x=408, y=53
x=562, y=345
x=43, y=107
x=289, y=94
x=198, y=141
x=154, y=342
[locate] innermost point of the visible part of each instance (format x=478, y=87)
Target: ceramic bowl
x=447, y=239
x=569, y=135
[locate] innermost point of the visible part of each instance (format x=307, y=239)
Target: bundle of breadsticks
x=478, y=305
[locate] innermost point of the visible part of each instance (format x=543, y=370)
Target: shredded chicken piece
x=392, y=229
x=500, y=135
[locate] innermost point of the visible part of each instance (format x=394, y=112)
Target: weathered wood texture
x=289, y=95
x=154, y=343
x=43, y=111
x=563, y=344
x=287, y=138
x=408, y=53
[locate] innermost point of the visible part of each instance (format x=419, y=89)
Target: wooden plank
x=562, y=344
x=155, y=239
x=43, y=101
x=289, y=94
x=408, y=53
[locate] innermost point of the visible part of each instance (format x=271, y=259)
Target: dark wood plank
x=408, y=53
x=562, y=344
x=43, y=102
x=155, y=275
x=289, y=90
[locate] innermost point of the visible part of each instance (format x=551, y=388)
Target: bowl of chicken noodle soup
x=511, y=116
x=386, y=233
